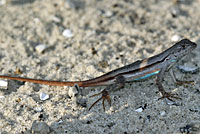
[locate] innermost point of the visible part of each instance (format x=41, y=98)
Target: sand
x=100, y=35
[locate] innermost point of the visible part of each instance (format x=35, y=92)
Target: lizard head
x=182, y=48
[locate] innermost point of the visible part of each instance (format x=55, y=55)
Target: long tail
x=45, y=82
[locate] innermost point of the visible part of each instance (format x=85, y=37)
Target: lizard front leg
x=165, y=94
x=119, y=83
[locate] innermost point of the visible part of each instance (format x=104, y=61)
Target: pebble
x=2, y=2
x=169, y=102
x=4, y=84
x=72, y=92
x=108, y=13
x=67, y=33
x=139, y=109
x=175, y=11
x=41, y=48
x=56, y=19
x=175, y=38
x=38, y=109
x=36, y=20
x=44, y=96
x=40, y=128
x=163, y=113
x=187, y=69
x=60, y=122
x=2, y=97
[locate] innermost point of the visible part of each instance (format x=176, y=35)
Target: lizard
x=140, y=70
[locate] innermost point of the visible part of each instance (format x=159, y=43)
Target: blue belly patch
x=147, y=76
x=173, y=60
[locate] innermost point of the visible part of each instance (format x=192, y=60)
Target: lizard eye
x=183, y=46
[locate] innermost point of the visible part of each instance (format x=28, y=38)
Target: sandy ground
x=105, y=35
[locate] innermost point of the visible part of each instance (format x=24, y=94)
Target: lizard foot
x=169, y=96
x=105, y=96
x=179, y=82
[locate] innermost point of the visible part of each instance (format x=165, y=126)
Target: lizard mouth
x=193, y=45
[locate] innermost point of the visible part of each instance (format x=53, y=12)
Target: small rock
x=163, y=113
x=175, y=11
x=60, y=121
x=40, y=128
x=188, y=69
x=175, y=38
x=67, y=33
x=2, y=2
x=38, y=109
x=41, y=48
x=4, y=84
x=108, y=13
x=169, y=102
x=56, y=19
x=44, y=96
x=139, y=109
x=72, y=92
x=2, y=97
x=36, y=20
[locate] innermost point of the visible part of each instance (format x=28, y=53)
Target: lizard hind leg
x=105, y=96
x=119, y=83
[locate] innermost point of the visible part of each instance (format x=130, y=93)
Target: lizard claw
x=179, y=82
x=169, y=96
x=105, y=96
